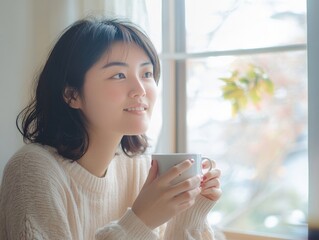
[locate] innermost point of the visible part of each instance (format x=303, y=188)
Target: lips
x=136, y=108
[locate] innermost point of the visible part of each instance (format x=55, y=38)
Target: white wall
x=15, y=42
x=28, y=28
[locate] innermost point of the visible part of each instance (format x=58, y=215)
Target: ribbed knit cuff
x=135, y=228
x=195, y=217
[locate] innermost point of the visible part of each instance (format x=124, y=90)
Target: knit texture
x=44, y=196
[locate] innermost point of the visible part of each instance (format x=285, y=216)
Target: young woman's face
x=119, y=91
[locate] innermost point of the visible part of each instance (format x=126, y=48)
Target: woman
x=83, y=173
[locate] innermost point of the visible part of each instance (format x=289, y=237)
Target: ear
x=72, y=98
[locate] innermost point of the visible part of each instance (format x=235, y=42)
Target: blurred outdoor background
x=262, y=148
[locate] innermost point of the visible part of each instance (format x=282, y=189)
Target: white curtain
x=66, y=11
x=135, y=10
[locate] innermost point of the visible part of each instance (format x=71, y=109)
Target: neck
x=100, y=153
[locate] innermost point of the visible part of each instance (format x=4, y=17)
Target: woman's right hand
x=159, y=200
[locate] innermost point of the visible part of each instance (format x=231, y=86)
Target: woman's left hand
x=210, y=184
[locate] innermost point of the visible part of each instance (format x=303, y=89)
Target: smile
x=135, y=109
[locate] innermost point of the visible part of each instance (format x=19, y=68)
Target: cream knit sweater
x=44, y=196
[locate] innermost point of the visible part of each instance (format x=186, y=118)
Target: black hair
x=48, y=119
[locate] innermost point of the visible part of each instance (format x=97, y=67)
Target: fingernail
x=192, y=160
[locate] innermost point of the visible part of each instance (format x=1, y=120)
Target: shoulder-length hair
x=48, y=119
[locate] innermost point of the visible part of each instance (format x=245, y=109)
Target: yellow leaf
x=254, y=95
x=229, y=87
x=233, y=94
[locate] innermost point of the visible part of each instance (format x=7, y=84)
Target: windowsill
x=235, y=235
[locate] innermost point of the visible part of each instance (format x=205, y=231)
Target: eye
x=148, y=75
x=119, y=76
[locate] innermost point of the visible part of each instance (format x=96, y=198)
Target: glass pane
x=238, y=24
x=262, y=150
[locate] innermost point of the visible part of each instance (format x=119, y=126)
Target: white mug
x=168, y=160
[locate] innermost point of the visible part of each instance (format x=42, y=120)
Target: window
x=262, y=149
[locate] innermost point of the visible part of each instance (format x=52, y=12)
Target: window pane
x=237, y=24
x=262, y=150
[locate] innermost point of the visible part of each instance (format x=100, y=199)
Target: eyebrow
x=115, y=64
x=123, y=64
x=146, y=63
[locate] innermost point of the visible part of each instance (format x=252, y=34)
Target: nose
x=137, y=88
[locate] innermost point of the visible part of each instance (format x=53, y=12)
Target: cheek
x=152, y=93
x=115, y=95
x=101, y=102
x=103, y=94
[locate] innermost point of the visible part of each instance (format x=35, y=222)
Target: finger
x=214, y=173
x=152, y=174
x=212, y=193
x=187, y=196
x=212, y=183
x=186, y=205
x=213, y=163
x=177, y=170
x=186, y=185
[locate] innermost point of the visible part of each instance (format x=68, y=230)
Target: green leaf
x=229, y=87
x=246, y=87
x=269, y=86
x=226, y=80
x=244, y=80
x=242, y=102
x=235, y=109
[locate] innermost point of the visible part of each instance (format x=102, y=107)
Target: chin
x=139, y=131
x=135, y=133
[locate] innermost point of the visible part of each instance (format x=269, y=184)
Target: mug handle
x=210, y=164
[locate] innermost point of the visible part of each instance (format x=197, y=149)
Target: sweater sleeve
x=128, y=227
x=32, y=201
x=191, y=224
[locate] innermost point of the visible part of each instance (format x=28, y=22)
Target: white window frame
x=173, y=137
x=313, y=116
